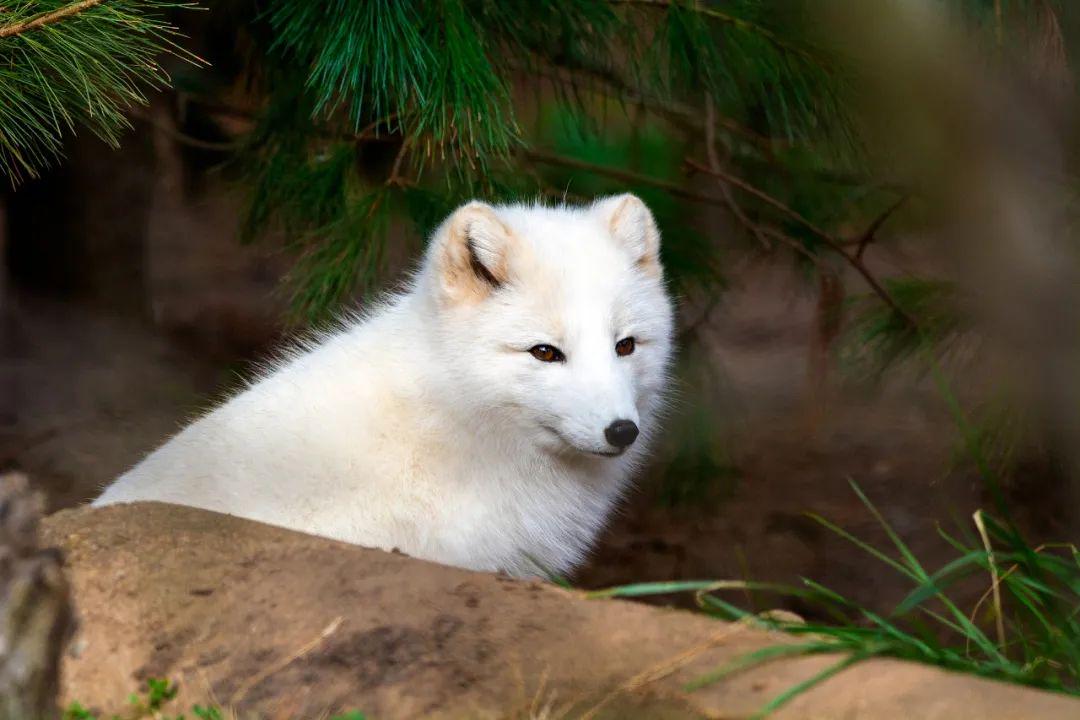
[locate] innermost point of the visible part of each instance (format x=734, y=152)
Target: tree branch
x=714, y=164
x=737, y=22
x=47, y=18
x=831, y=242
x=767, y=199
x=869, y=236
x=834, y=244
x=182, y=137
x=627, y=176
x=396, y=178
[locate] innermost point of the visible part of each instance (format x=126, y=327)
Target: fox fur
x=432, y=425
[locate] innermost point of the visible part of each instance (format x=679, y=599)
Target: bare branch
x=47, y=18
x=765, y=198
x=627, y=176
x=396, y=178
x=714, y=164
x=834, y=244
x=869, y=236
x=182, y=137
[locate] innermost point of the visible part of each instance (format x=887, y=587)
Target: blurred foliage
x=877, y=338
x=370, y=113
x=405, y=109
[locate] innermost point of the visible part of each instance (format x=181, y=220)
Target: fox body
x=489, y=416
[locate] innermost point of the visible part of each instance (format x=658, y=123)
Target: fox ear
x=473, y=255
x=633, y=227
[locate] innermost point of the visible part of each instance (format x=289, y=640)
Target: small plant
x=150, y=704
x=1024, y=629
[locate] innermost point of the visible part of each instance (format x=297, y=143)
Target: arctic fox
x=488, y=417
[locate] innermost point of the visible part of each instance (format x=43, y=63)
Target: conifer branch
x=87, y=73
x=714, y=163
x=739, y=23
x=870, y=234
x=834, y=244
x=627, y=176
x=47, y=18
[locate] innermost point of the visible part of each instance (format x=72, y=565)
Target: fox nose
x=621, y=433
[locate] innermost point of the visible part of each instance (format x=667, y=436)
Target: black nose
x=621, y=433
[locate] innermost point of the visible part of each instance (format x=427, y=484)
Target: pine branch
x=739, y=23
x=626, y=176
x=47, y=18
x=870, y=234
x=714, y=163
x=95, y=61
x=833, y=243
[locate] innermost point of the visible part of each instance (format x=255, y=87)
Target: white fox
x=489, y=416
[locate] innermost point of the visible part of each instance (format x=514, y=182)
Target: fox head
x=554, y=321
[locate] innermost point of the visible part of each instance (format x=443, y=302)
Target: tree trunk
x=35, y=610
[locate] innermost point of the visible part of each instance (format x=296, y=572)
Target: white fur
x=428, y=426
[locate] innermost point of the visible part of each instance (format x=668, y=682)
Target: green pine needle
x=67, y=65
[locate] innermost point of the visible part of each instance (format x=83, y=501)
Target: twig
x=999, y=617
x=688, y=117
x=714, y=164
x=680, y=114
x=834, y=244
x=767, y=199
x=869, y=236
x=831, y=242
x=285, y=662
x=664, y=668
x=740, y=23
x=182, y=137
x=395, y=177
x=47, y=18
x=371, y=130
x=797, y=246
x=623, y=175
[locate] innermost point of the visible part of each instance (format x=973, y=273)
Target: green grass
x=1023, y=629
x=153, y=702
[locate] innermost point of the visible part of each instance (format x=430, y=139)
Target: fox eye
x=547, y=353
x=624, y=347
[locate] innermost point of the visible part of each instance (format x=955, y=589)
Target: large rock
x=283, y=624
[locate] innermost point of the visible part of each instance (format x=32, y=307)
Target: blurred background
x=867, y=215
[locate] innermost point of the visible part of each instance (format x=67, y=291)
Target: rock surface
x=283, y=624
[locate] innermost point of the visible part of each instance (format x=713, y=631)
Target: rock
x=283, y=624
x=35, y=615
